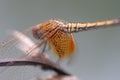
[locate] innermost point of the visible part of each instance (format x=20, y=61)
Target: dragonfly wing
x=62, y=44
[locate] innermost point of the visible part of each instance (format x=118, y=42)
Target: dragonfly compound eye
x=36, y=33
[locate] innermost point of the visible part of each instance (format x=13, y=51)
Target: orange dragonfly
x=58, y=34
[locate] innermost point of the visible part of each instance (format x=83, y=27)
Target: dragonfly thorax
x=62, y=43
x=45, y=29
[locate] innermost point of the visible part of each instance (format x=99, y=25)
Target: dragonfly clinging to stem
x=58, y=34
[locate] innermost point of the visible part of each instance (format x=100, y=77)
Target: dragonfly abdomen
x=78, y=27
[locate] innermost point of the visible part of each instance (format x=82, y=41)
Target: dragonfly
x=58, y=34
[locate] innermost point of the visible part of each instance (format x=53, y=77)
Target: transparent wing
x=11, y=41
x=18, y=40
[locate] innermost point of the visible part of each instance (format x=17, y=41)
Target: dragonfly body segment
x=79, y=27
x=62, y=43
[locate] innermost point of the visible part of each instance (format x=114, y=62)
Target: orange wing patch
x=62, y=43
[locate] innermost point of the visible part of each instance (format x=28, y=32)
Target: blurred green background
x=97, y=55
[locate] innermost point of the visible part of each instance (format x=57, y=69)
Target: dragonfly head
x=36, y=31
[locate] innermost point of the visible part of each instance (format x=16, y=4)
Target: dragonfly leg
x=44, y=47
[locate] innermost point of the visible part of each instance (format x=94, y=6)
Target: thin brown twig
x=44, y=63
